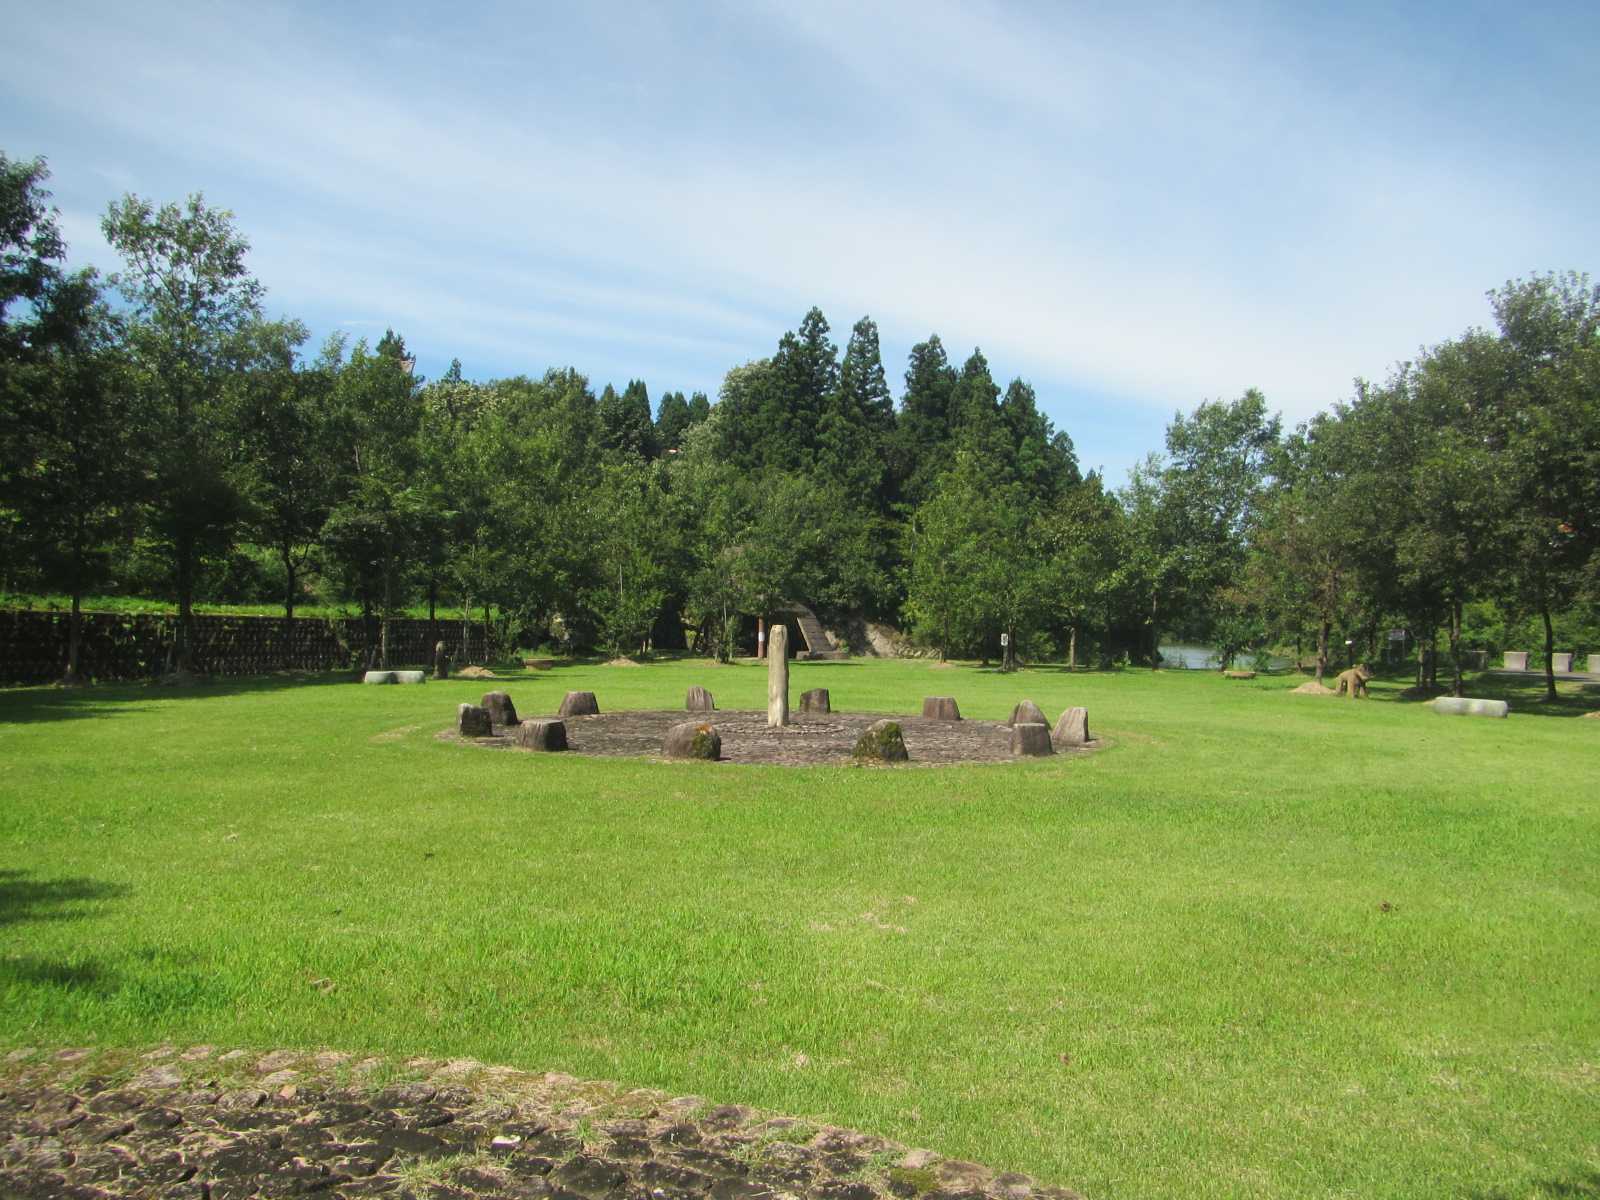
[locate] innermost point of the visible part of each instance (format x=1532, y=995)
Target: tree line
x=163, y=436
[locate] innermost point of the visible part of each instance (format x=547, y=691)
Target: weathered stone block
x=882, y=741
x=1072, y=729
x=1561, y=664
x=541, y=734
x=501, y=710
x=778, y=677
x=699, y=700
x=1465, y=706
x=816, y=701
x=1031, y=739
x=693, y=739
x=441, y=662
x=472, y=720
x=1027, y=713
x=941, y=708
x=378, y=677
x=411, y=677
x=1516, y=660
x=578, y=704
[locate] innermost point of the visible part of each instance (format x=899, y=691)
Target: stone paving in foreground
x=196, y=1124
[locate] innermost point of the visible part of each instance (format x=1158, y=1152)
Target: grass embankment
x=1266, y=945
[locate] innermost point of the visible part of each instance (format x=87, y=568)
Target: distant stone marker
x=941, y=708
x=882, y=741
x=501, y=710
x=1516, y=660
x=441, y=662
x=1072, y=729
x=1028, y=713
x=699, y=700
x=778, y=677
x=1465, y=706
x=1031, y=739
x=816, y=701
x=1561, y=664
x=541, y=734
x=693, y=739
x=578, y=704
x=472, y=720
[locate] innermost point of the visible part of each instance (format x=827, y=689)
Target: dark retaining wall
x=33, y=645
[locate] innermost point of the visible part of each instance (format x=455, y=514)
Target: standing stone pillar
x=778, y=677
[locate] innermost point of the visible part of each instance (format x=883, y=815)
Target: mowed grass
x=1264, y=945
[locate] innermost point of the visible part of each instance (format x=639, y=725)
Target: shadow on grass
x=25, y=898
x=20, y=706
x=1526, y=696
x=1582, y=1183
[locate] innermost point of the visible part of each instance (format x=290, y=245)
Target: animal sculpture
x=1353, y=682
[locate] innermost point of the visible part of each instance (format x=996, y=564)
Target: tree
x=193, y=325
x=923, y=426
x=853, y=432
x=624, y=421
x=672, y=418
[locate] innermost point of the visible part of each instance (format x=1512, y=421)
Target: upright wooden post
x=778, y=677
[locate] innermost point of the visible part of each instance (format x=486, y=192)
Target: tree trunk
x=1322, y=649
x=1458, y=685
x=488, y=635
x=1072, y=649
x=184, y=663
x=466, y=628
x=74, y=640
x=1549, y=655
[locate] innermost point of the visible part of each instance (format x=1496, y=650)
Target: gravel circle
x=809, y=740
x=196, y=1124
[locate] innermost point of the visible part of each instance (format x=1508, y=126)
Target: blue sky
x=1137, y=207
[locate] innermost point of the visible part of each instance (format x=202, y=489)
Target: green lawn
x=1264, y=945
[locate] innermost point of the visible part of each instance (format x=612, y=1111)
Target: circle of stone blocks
x=472, y=720
x=815, y=701
x=501, y=710
x=941, y=708
x=693, y=739
x=699, y=700
x=1027, y=713
x=541, y=734
x=378, y=677
x=882, y=741
x=1072, y=729
x=411, y=677
x=578, y=704
x=1465, y=706
x=1031, y=739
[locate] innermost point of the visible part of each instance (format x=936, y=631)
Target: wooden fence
x=33, y=644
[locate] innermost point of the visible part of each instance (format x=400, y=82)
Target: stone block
x=411, y=677
x=1027, y=713
x=541, y=734
x=1072, y=729
x=1561, y=664
x=441, y=662
x=815, y=701
x=941, y=708
x=472, y=720
x=1031, y=739
x=1516, y=660
x=1465, y=706
x=699, y=700
x=693, y=739
x=501, y=710
x=778, y=677
x=882, y=741
x=378, y=677
x=578, y=704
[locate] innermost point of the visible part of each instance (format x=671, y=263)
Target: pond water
x=1203, y=658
